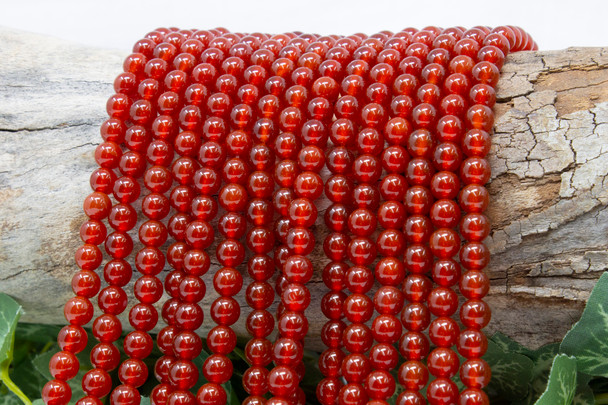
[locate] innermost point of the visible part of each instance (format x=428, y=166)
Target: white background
x=118, y=24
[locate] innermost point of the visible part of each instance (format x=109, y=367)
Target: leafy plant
x=10, y=312
x=574, y=371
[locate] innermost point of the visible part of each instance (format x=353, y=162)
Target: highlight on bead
x=228, y=152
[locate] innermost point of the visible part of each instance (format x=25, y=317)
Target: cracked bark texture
x=549, y=185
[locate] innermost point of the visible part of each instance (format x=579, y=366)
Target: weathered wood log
x=549, y=188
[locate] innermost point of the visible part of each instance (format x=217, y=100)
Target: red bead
x=442, y=391
x=211, y=394
x=413, y=375
x=56, y=392
x=217, y=369
x=78, y=311
x=352, y=394
x=475, y=314
x=105, y=356
x=444, y=331
x=282, y=381
x=328, y=390
x=97, y=383
x=125, y=395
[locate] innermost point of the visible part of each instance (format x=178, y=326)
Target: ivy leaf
x=38, y=333
x=562, y=382
x=511, y=373
x=588, y=338
x=509, y=345
x=10, y=399
x=10, y=312
x=584, y=394
x=542, y=367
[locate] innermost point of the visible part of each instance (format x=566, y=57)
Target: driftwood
x=549, y=184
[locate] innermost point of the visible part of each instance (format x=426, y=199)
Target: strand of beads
x=149, y=261
x=305, y=187
x=188, y=226
x=389, y=272
x=302, y=212
x=260, y=239
x=366, y=171
x=338, y=190
x=414, y=345
x=122, y=218
x=78, y=311
x=474, y=226
x=260, y=322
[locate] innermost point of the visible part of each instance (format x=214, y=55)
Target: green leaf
x=509, y=345
x=588, y=338
x=28, y=378
x=542, y=367
x=584, y=393
x=562, y=382
x=144, y=401
x=10, y=399
x=511, y=373
x=10, y=311
x=38, y=333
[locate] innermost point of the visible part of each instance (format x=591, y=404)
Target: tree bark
x=549, y=187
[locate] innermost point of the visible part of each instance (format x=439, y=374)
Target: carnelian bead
x=255, y=380
x=474, y=198
x=416, y=287
x=390, y=271
x=418, y=258
x=417, y=229
x=415, y=317
x=78, y=311
x=474, y=255
x=391, y=215
x=339, y=160
x=443, y=363
x=379, y=384
x=414, y=346
x=108, y=155
x=260, y=324
x=357, y=338
x=125, y=395
x=472, y=343
x=112, y=300
x=474, y=284
x=133, y=372
x=475, y=373
x=330, y=362
x=105, y=356
x=473, y=396
x=102, y=180
x=393, y=187
x=282, y=381
x=85, y=283
x=211, y=394
x=444, y=243
x=97, y=383
x=445, y=213
x=444, y=331
x=63, y=366
x=413, y=375
x=56, y=392
x=475, y=314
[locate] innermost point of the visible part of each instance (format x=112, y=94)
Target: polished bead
x=442, y=391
